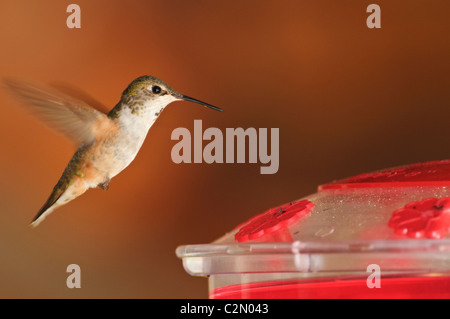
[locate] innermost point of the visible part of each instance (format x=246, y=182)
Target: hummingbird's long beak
x=190, y=99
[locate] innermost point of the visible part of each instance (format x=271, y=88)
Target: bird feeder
x=375, y=235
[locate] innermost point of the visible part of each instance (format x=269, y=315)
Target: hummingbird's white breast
x=134, y=124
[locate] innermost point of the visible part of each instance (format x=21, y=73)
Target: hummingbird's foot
x=104, y=186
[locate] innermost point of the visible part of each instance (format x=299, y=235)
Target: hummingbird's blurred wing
x=74, y=118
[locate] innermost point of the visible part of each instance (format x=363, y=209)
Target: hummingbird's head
x=151, y=91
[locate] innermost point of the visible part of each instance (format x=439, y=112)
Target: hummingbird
x=106, y=142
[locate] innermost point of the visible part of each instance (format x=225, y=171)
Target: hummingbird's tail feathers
x=65, y=190
x=49, y=206
x=39, y=219
x=75, y=119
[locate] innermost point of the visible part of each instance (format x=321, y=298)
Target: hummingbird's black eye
x=156, y=89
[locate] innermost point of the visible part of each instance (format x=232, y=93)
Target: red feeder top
x=436, y=173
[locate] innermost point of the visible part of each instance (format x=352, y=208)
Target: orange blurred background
x=347, y=100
